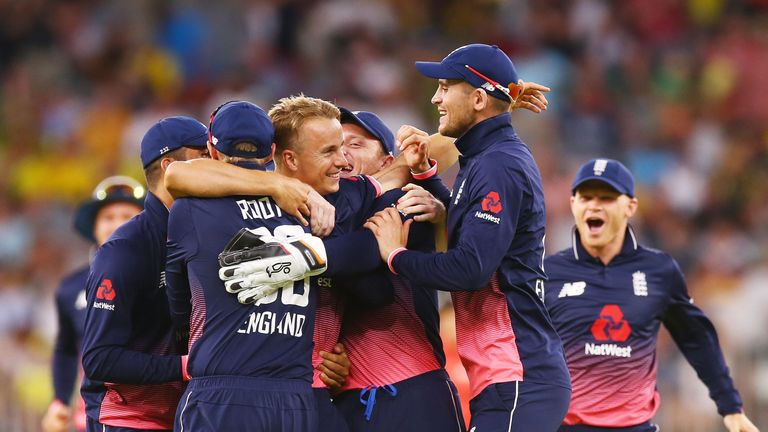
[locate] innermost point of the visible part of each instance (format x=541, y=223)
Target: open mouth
x=595, y=224
x=346, y=171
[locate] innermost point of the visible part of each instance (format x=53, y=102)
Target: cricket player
x=131, y=355
x=114, y=201
x=607, y=296
x=250, y=363
x=494, y=263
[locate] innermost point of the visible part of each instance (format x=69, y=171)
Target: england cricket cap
x=110, y=190
x=373, y=125
x=609, y=171
x=170, y=134
x=238, y=122
x=482, y=66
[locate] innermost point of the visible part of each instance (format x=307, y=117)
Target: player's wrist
x=391, y=258
x=425, y=171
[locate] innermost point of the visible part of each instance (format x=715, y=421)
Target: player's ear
x=164, y=162
x=479, y=99
x=212, y=151
x=290, y=161
x=631, y=207
x=386, y=161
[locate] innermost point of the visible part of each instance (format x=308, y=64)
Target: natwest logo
x=492, y=203
x=105, y=291
x=611, y=325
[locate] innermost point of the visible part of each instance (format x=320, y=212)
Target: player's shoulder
x=560, y=259
x=657, y=258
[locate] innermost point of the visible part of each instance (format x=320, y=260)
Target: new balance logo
x=572, y=289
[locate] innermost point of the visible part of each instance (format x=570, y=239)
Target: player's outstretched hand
x=739, y=422
x=419, y=202
x=413, y=143
x=322, y=214
x=263, y=263
x=531, y=97
x=334, y=369
x=57, y=418
x=390, y=231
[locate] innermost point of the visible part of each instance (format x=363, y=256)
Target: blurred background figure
x=114, y=201
x=676, y=90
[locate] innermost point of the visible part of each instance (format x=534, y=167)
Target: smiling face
x=455, y=105
x=602, y=215
x=365, y=154
x=317, y=159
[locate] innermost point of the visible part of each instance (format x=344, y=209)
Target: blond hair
x=243, y=146
x=289, y=114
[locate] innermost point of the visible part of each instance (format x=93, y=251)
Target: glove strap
x=314, y=261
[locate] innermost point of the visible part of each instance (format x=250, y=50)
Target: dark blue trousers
x=235, y=403
x=426, y=402
x=521, y=406
x=329, y=416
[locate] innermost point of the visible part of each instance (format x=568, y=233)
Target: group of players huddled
x=281, y=274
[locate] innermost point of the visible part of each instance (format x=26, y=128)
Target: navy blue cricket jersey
x=400, y=339
x=70, y=307
x=274, y=337
x=493, y=265
x=608, y=317
x=131, y=355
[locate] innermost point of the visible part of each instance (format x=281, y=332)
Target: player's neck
x=162, y=194
x=607, y=253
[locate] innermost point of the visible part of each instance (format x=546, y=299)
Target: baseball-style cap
x=372, y=124
x=483, y=66
x=110, y=190
x=170, y=134
x=236, y=122
x=608, y=171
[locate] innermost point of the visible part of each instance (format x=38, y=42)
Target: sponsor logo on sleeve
x=491, y=206
x=107, y=293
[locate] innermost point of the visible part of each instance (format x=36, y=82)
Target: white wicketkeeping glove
x=262, y=264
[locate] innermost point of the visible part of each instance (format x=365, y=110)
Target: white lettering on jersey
x=266, y=322
x=639, y=284
x=458, y=194
x=572, y=289
x=611, y=350
x=261, y=208
x=103, y=305
x=488, y=217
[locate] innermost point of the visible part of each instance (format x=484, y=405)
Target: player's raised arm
x=210, y=178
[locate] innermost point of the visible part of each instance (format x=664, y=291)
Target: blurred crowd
x=674, y=88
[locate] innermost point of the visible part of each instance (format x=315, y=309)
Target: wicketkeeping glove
x=253, y=259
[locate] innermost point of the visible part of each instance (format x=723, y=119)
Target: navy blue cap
x=110, y=190
x=236, y=122
x=372, y=124
x=170, y=134
x=608, y=171
x=482, y=66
